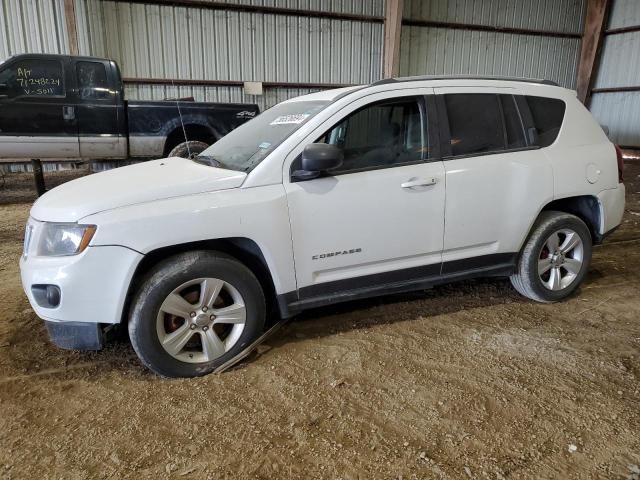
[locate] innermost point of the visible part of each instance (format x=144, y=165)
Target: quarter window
x=32, y=78
x=380, y=135
x=547, y=114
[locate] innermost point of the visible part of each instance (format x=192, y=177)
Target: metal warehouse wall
x=190, y=43
x=487, y=38
x=32, y=26
x=616, y=94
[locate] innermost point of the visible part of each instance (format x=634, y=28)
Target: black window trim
x=428, y=133
x=445, y=134
x=63, y=77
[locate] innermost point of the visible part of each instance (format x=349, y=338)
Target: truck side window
x=381, y=135
x=33, y=78
x=92, y=81
x=548, y=114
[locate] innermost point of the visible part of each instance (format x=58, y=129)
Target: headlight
x=58, y=239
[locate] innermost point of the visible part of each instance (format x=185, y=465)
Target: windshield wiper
x=209, y=160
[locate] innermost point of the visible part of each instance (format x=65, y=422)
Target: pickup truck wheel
x=555, y=258
x=194, y=312
x=188, y=149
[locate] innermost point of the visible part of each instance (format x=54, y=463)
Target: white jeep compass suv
x=333, y=196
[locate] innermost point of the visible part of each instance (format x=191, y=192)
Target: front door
x=378, y=219
x=36, y=118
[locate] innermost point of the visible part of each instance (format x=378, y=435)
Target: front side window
x=547, y=114
x=92, y=81
x=381, y=135
x=32, y=78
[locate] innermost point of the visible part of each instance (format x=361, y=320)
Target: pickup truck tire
x=188, y=149
x=554, y=259
x=193, y=312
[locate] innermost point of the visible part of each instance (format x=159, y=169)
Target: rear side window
x=32, y=78
x=483, y=123
x=547, y=115
x=92, y=81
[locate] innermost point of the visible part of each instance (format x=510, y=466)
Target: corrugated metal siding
x=553, y=15
x=619, y=67
x=438, y=51
x=620, y=112
x=355, y=7
x=152, y=41
x=32, y=26
x=624, y=13
x=441, y=51
x=271, y=96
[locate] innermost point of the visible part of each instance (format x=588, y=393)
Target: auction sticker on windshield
x=290, y=119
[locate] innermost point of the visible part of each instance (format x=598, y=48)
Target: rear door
x=97, y=110
x=496, y=177
x=37, y=116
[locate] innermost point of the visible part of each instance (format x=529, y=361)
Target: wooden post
x=595, y=24
x=72, y=31
x=38, y=176
x=392, y=29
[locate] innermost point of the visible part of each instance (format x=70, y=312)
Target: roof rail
x=463, y=77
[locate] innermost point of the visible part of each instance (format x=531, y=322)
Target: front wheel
x=194, y=312
x=555, y=258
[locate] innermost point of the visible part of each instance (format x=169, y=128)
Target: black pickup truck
x=59, y=106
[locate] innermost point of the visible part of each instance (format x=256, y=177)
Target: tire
x=547, y=274
x=188, y=149
x=181, y=344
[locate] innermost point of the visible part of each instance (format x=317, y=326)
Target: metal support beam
x=241, y=7
x=72, y=31
x=392, y=29
x=595, y=24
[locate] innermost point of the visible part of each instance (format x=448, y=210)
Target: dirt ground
x=464, y=381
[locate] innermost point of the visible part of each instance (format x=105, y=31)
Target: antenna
x=184, y=131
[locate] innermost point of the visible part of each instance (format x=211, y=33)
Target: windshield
x=245, y=147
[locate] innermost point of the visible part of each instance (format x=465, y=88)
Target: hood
x=139, y=183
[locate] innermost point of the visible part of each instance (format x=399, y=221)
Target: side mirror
x=318, y=158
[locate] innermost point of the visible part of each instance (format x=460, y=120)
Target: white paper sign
x=290, y=119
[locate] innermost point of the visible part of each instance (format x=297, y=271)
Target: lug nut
x=204, y=309
x=212, y=317
x=192, y=327
x=192, y=314
x=205, y=328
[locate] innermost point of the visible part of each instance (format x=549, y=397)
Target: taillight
x=620, y=163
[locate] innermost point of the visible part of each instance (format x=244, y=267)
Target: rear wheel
x=555, y=259
x=189, y=149
x=194, y=312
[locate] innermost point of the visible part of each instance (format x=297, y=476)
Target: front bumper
x=93, y=285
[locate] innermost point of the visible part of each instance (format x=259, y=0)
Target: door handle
x=420, y=182
x=68, y=112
